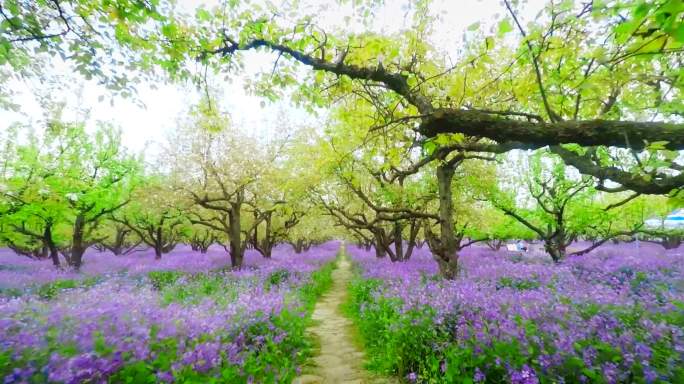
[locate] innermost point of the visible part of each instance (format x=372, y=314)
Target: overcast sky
x=146, y=125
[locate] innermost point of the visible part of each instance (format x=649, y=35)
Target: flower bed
x=169, y=326
x=610, y=316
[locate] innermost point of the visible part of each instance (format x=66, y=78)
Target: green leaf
x=474, y=26
x=657, y=145
x=203, y=14
x=589, y=373
x=504, y=27
x=489, y=42
x=429, y=147
x=679, y=33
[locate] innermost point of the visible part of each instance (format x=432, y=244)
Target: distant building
x=674, y=220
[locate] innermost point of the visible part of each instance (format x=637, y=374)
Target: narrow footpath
x=339, y=360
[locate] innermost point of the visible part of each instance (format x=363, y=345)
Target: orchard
x=342, y=191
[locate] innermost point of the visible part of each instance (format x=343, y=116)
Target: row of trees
x=484, y=198
x=59, y=187
x=66, y=189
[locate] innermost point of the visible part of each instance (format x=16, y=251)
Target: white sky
x=144, y=127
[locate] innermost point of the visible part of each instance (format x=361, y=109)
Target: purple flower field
x=340, y=192
x=18, y=271
x=164, y=327
x=614, y=315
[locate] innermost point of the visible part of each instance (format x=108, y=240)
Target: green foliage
x=49, y=291
x=519, y=284
x=154, y=214
x=162, y=279
x=89, y=34
x=277, y=277
x=6, y=363
x=11, y=292
x=187, y=288
x=58, y=186
x=320, y=281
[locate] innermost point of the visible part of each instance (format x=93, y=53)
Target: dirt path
x=339, y=360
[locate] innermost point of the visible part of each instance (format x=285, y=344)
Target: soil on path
x=339, y=360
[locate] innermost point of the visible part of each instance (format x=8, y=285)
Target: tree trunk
x=398, y=241
x=494, y=245
x=671, y=241
x=557, y=243
x=556, y=248
x=254, y=237
x=119, y=242
x=449, y=268
x=413, y=232
x=42, y=252
x=447, y=252
x=409, y=251
x=298, y=245
x=201, y=244
x=158, y=244
x=266, y=244
x=50, y=245
x=236, y=248
x=379, y=245
x=78, y=246
x=157, y=253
